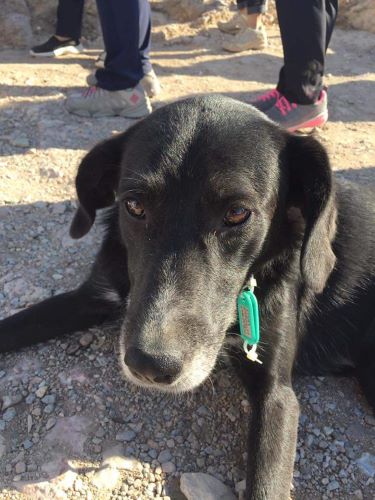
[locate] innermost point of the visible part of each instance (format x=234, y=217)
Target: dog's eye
x=135, y=208
x=236, y=215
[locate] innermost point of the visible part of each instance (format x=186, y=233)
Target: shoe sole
x=132, y=114
x=61, y=51
x=237, y=49
x=317, y=121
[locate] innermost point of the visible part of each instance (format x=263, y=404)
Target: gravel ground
x=70, y=426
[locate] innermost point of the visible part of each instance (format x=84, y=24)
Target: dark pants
x=69, y=18
x=126, y=27
x=306, y=28
x=253, y=6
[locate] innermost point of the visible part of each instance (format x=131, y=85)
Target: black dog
x=208, y=193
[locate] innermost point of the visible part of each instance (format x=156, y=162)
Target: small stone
x=168, y=467
x=27, y=444
x=358, y=494
x=57, y=276
x=125, y=436
x=50, y=423
x=366, y=463
x=106, y=478
x=20, y=467
x=2, y=373
x=86, y=339
x=197, y=485
x=9, y=401
x=49, y=409
x=164, y=456
x=333, y=485
x=30, y=399
x=9, y=414
x=41, y=391
x=72, y=349
x=50, y=399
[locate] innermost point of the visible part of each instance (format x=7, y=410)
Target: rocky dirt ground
x=70, y=426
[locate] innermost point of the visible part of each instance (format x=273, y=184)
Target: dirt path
x=66, y=408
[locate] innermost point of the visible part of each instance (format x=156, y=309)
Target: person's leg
x=120, y=26
x=249, y=15
x=145, y=35
x=247, y=27
x=67, y=34
x=331, y=15
x=305, y=36
x=116, y=92
x=69, y=19
x=254, y=10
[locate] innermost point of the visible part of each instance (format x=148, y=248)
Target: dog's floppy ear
x=96, y=182
x=312, y=190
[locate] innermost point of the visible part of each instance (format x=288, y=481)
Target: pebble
x=50, y=399
x=164, y=456
x=125, y=436
x=9, y=414
x=106, y=478
x=86, y=339
x=49, y=409
x=40, y=393
x=51, y=422
x=367, y=464
x=199, y=486
x=20, y=467
x=168, y=467
x=333, y=485
x=9, y=401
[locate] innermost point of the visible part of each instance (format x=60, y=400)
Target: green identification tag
x=248, y=317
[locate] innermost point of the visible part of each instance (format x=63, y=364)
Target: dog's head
x=203, y=188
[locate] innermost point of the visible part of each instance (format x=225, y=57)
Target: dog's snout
x=158, y=369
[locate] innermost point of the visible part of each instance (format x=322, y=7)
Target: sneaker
x=292, y=116
x=149, y=82
x=100, y=60
x=247, y=39
x=265, y=101
x=234, y=25
x=55, y=47
x=97, y=102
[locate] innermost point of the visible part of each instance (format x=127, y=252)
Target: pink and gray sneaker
x=265, y=101
x=292, y=116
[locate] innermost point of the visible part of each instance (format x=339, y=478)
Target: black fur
x=309, y=241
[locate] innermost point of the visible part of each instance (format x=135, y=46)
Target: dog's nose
x=158, y=369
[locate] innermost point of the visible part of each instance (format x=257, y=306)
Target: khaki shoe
x=247, y=39
x=97, y=102
x=149, y=82
x=234, y=25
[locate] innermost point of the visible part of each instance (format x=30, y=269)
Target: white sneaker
x=97, y=102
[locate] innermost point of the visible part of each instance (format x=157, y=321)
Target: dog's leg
x=65, y=313
x=272, y=444
x=366, y=366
